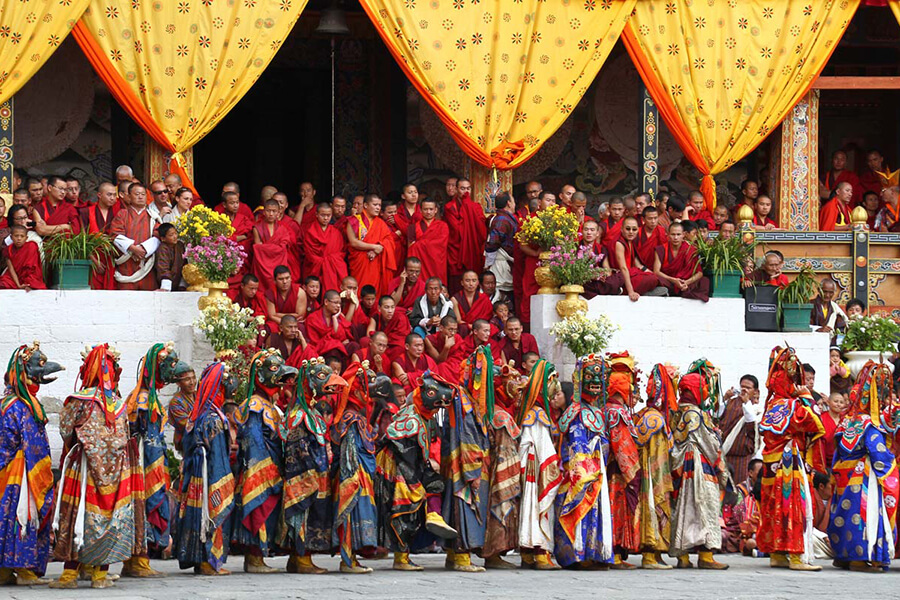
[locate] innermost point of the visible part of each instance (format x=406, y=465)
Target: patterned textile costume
x=308, y=511
x=100, y=508
x=207, y=483
x=257, y=507
x=465, y=464
x=863, y=516
x=504, y=473
x=539, y=463
x=583, y=530
x=147, y=421
x=793, y=438
x=699, y=470
x=407, y=488
x=26, y=481
x=655, y=445
x=624, y=463
x=353, y=447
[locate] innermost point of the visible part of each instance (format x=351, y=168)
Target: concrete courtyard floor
x=747, y=578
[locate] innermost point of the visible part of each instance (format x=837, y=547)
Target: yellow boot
x=620, y=564
x=354, y=568
x=543, y=562
x=684, y=562
x=462, y=562
x=207, y=569
x=861, y=566
x=649, y=561
x=7, y=577
x=778, y=560
x=99, y=580
x=497, y=562
x=256, y=565
x=27, y=577
x=797, y=564
x=139, y=566
x=67, y=581
x=436, y=525
x=402, y=563
x=305, y=566
x=85, y=572
x=706, y=561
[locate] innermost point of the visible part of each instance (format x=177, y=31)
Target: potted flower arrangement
x=573, y=266
x=216, y=259
x=198, y=223
x=723, y=262
x=870, y=338
x=584, y=335
x=72, y=258
x=547, y=228
x=227, y=326
x=794, y=300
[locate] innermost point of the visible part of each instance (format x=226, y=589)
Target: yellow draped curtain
x=501, y=75
x=179, y=66
x=726, y=73
x=30, y=31
x=895, y=8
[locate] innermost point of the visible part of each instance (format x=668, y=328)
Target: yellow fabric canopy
x=31, y=31
x=726, y=73
x=502, y=75
x=185, y=63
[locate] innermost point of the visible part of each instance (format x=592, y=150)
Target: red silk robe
x=243, y=210
x=324, y=256
x=321, y=335
x=257, y=303
x=404, y=219
x=683, y=266
x=396, y=331
x=285, y=305
x=277, y=248
x=413, y=371
x=834, y=213
x=378, y=272
x=429, y=243
x=831, y=182
x=243, y=225
x=411, y=293
x=27, y=263
x=481, y=308
x=92, y=221
x=63, y=214
x=468, y=233
x=645, y=245
x=526, y=344
x=140, y=228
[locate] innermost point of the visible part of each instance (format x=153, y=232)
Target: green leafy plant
x=228, y=326
x=799, y=291
x=723, y=257
x=65, y=248
x=873, y=333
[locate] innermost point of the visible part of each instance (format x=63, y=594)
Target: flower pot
x=195, y=280
x=216, y=290
x=857, y=359
x=72, y=275
x=725, y=285
x=572, y=303
x=544, y=277
x=796, y=317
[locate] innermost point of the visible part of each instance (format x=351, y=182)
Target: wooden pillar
x=649, y=144
x=860, y=229
x=799, y=173
x=156, y=161
x=484, y=187
x=6, y=151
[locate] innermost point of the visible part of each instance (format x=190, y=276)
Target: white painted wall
x=678, y=331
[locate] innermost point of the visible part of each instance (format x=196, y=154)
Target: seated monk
x=365, y=307
x=243, y=233
x=826, y=314
x=428, y=240
x=516, y=344
x=222, y=207
x=498, y=321
x=481, y=336
x=325, y=252
x=285, y=298
x=328, y=332
x=720, y=215
x=372, y=254
x=762, y=208
x=430, y=308
x=835, y=214
x=602, y=286
x=289, y=341
x=446, y=342
x=695, y=209
x=409, y=286
x=23, y=263
x=247, y=295
x=677, y=265
x=393, y=323
x=313, y=288
x=633, y=277
x=470, y=304
x=529, y=359
x=410, y=365
x=770, y=273
x=275, y=242
x=375, y=354
x=651, y=235
x=53, y=214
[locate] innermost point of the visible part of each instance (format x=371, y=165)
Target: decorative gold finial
x=744, y=214
x=859, y=216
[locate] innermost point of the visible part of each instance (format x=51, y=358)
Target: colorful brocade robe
x=355, y=514
x=654, y=514
x=505, y=483
x=150, y=437
x=624, y=476
x=541, y=477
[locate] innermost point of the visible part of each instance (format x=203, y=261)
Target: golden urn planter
x=573, y=303
x=215, y=290
x=195, y=280
x=544, y=276
x=225, y=355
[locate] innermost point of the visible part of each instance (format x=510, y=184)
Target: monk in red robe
x=428, y=241
x=835, y=215
x=285, y=298
x=611, y=226
x=762, y=210
x=365, y=307
x=695, y=209
x=871, y=179
x=411, y=364
x=651, y=235
x=372, y=255
x=243, y=234
x=468, y=233
x=770, y=273
x=633, y=277
x=409, y=286
x=516, y=344
x=53, y=214
x=393, y=322
x=133, y=230
x=375, y=353
x=23, y=263
x=481, y=336
x=275, y=243
x=328, y=332
x=445, y=344
x=471, y=304
x=409, y=212
x=231, y=187
x=97, y=218
x=677, y=266
x=247, y=295
x=325, y=251
x=839, y=173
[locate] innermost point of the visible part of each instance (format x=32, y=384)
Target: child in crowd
x=855, y=309
x=838, y=372
x=720, y=215
x=313, y=287
x=498, y=321
x=169, y=259
x=23, y=263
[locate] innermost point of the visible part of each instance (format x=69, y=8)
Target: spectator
x=529, y=359
x=409, y=366
x=289, y=341
x=169, y=259
x=826, y=314
x=441, y=344
x=837, y=406
x=855, y=309
x=393, y=323
x=133, y=235
x=53, y=214
x=23, y=263
x=839, y=374
x=313, y=288
x=410, y=285
x=375, y=353
x=516, y=344
x=429, y=309
x=285, y=298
